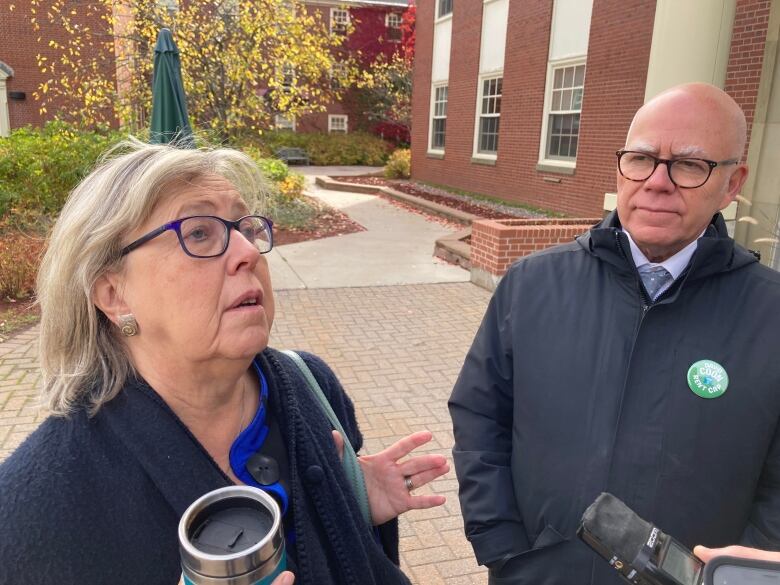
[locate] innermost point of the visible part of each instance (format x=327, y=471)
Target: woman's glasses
x=208, y=236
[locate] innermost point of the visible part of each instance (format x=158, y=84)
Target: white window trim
x=336, y=73
x=400, y=19
x=5, y=119
x=278, y=127
x=282, y=74
x=398, y=28
x=437, y=19
x=335, y=9
x=551, y=66
x=432, y=150
x=480, y=83
x=332, y=118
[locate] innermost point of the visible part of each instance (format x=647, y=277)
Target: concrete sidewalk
x=396, y=248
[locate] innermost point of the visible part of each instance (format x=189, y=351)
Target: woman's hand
x=706, y=554
x=386, y=478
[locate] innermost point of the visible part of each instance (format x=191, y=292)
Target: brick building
x=527, y=100
x=20, y=76
x=376, y=30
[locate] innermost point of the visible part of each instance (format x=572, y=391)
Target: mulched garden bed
x=437, y=196
x=327, y=224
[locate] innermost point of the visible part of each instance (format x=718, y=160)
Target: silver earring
x=128, y=325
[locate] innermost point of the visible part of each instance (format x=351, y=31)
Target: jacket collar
x=715, y=253
x=173, y=459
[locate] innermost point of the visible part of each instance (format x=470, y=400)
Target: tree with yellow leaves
x=242, y=60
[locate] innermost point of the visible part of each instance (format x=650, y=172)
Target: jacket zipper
x=646, y=306
x=646, y=302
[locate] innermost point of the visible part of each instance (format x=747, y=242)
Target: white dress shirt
x=675, y=264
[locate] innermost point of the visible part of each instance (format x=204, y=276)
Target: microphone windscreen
x=616, y=526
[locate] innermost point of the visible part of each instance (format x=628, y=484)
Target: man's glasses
x=686, y=173
x=208, y=236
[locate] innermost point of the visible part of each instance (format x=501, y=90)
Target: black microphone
x=616, y=526
x=640, y=552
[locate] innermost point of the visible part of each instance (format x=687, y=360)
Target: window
x=563, y=117
x=489, y=115
x=393, y=23
x=288, y=76
x=439, y=117
x=337, y=123
x=229, y=8
x=339, y=21
x=283, y=122
x=445, y=8
x=338, y=72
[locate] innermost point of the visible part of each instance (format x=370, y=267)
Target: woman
x=156, y=309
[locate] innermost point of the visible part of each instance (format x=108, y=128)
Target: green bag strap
x=349, y=460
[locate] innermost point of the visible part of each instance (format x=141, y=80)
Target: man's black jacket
x=575, y=384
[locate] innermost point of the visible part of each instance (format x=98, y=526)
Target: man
x=594, y=370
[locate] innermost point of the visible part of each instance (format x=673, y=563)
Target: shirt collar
x=675, y=264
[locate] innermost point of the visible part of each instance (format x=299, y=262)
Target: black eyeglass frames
x=686, y=173
x=208, y=236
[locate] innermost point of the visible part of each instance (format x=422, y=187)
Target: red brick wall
x=620, y=38
x=18, y=48
x=495, y=244
x=747, y=55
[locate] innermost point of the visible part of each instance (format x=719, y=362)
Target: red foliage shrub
x=20, y=255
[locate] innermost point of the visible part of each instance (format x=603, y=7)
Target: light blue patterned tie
x=655, y=279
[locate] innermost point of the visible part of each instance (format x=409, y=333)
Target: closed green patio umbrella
x=170, y=122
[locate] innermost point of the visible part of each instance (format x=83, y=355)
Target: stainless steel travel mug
x=232, y=536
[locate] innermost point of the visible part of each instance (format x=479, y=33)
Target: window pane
x=439, y=130
x=445, y=7
x=556, y=101
x=498, y=105
x=568, y=79
x=573, y=147
x=564, y=148
x=566, y=99
x=579, y=75
x=499, y=85
x=488, y=135
x=576, y=100
x=558, y=83
x=554, y=145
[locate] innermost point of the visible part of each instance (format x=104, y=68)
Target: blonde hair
x=83, y=358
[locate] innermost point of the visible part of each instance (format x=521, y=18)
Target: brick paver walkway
x=396, y=349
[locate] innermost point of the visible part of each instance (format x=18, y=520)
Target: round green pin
x=708, y=379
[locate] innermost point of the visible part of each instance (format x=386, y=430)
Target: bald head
x=691, y=121
x=711, y=107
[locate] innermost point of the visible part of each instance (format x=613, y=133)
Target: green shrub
x=400, y=164
x=292, y=214
x=273, y=168
x=357, y=148
x=40, y=166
